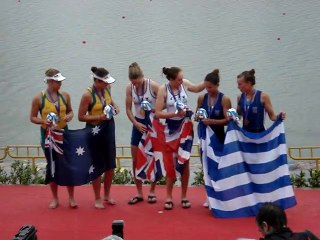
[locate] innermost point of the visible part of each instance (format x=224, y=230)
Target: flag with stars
x=81, y=155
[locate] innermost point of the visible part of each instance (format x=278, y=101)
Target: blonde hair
x=135, y=71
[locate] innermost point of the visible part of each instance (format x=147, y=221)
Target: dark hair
x=273, y=215
x=248, y=76
x=171, y=72
x=100, y=72
x=135, y=71
x=213, y=77
x=51, y=72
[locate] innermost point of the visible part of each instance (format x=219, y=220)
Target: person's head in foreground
x=272, y=222
x=113, y=237
x=271, y=218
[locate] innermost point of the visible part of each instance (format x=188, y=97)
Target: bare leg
x=169, y=183
x=138, y=182
x=54, y=190
x=152, y=198
x=72, y=202
x=152, y=188
x=184, y=185
x=96, y=184
x=108, y=175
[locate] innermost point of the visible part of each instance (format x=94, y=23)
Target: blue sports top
x=215, y=112
x=253, y=112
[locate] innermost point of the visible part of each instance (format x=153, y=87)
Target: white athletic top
x=171, y=99
x=146, y=96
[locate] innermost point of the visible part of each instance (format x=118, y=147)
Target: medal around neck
x=146, y=106
x=234, y=115
x=109, y=111
x=52, y=118
x=201, y=114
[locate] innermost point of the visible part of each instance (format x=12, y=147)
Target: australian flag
x=80, y=156
x=248, y=170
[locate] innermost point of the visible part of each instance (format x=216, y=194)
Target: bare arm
x=141, y=127
x=238, y=106
x=160, y=105
x=36, y=101
x=154, y=87
x=69, y=112
x=113, y=103
x=199, y=105
x=195, y=88
x=268, y=106
x=200, y=101
x=129, y=105
x=83, y=109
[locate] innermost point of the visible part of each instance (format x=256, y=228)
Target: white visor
x=58, y=77
x=106, y=79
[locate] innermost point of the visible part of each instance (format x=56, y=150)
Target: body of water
x=280, y=39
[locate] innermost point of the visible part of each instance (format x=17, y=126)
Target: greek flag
x=248, y=170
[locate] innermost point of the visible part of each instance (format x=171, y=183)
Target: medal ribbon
x=100, y=96
x=172, y=93
x=211, y=107
x=142, y=93
x=248, y=104
x=56, y=102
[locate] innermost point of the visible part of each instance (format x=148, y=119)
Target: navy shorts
x=173, y=125
x=136, y=135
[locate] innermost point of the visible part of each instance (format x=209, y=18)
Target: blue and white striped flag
x=250, y=169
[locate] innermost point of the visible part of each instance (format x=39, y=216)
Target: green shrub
x=122, y=176
x=198, y=178
x=4, y=178
x=162, y=181
x=302, y=180
x=299, y=180
x=314, y=179
x=38, y=177
x=21, y=173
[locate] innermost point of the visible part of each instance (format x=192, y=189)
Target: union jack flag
x=54, y=140
x=161, y=152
